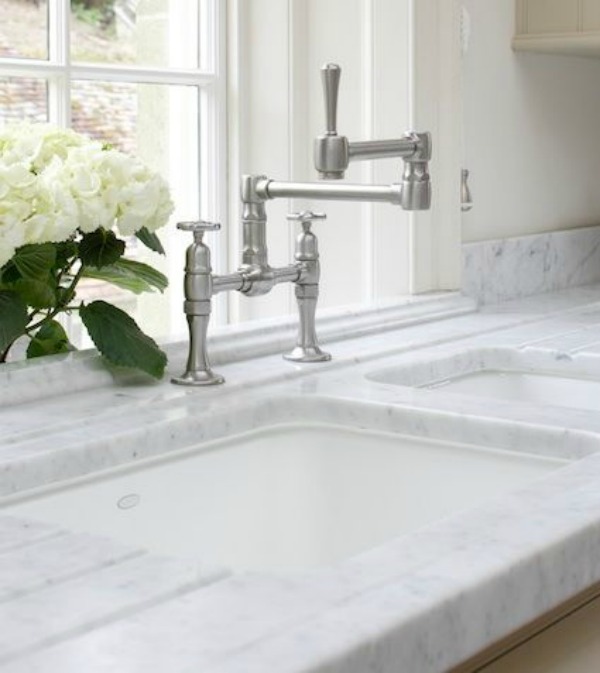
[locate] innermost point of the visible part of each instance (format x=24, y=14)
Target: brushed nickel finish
x=255, y=276
x=272, y=189
x=334, y=152
x=307, y=290
x=466, y=198
x=198, y=291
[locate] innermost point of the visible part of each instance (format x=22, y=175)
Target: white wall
x=531, y=132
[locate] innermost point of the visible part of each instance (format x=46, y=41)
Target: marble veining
x=508, y=269
x=421, y=602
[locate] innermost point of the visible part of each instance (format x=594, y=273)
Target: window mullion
x=140, y=75
x=213, y=146
x=59, y=85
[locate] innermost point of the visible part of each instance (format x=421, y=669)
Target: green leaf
x=10, y=274
x=150, y=240
x=153, y=278
x=130, y=275
x=50, y=339
x=13, y=318
x=37, y=293
x=65, y=252
x=100, y=248
x=120, y=340
x=35, y=261
x=110, y=274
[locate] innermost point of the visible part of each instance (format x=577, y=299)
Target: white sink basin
x=285, y=496
x=543, y=389
x=520, y=376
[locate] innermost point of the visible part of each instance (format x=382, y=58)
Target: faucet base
x=200, y=378
x=307, y=354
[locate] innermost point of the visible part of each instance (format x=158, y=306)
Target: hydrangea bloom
x=54, y=182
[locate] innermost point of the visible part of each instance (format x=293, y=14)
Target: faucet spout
x=326, y=191
x=334, y=152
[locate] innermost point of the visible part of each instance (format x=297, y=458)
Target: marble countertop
x=422, y=602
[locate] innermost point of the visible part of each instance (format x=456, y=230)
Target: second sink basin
x=509, y=374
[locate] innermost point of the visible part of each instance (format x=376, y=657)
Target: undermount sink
x=507, y=374
x=292, y=495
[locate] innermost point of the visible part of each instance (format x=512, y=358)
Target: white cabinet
x=570, y=27
x=590, y=15
x=551, y=16
x=570, y=646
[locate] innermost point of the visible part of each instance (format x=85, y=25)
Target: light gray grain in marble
x=503, y=270
x=56, y=560
x=50, y=615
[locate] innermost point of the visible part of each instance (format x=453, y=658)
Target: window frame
x=209, y=78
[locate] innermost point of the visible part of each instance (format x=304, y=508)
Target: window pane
x=107, y=111
x=158, y=123
x=24, y=29
x=23, y=99
x=161, y=33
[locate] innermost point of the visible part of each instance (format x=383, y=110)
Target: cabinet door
x=591, y=14
x=569, y=646
x=552, y=16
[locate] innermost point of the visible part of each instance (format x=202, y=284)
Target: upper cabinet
x=569, y=27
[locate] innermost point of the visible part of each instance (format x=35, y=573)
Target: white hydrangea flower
x=55, y=182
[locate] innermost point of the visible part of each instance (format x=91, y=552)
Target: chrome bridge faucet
x=255, y=276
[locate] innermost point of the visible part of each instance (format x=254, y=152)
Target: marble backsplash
x=513, y=268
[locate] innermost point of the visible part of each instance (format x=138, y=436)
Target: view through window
x=142, y=75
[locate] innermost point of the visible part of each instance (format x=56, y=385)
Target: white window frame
x=59, y=72
x=436, y=99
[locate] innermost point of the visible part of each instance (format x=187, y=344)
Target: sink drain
x=128, y=501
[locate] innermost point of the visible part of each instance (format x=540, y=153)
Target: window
x=143, y=75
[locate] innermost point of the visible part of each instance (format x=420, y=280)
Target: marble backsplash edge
x=514, y=268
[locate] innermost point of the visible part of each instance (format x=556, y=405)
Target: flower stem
x=61, y=307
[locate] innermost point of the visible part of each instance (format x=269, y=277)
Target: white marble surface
x=422, y=602
x=513, y=268
x=81, y=371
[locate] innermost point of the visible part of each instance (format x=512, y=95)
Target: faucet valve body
x=416, y=183
x=198, y=291
x=307, y=290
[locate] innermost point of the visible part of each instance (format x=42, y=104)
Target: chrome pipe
x=271, y=189
x=287, y=274
x=228, y=283
x=382, y=149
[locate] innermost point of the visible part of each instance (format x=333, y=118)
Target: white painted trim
x=59, y=85
x=367, y=168
x=213, y=150
x=521, y=16
x=299, y=166
x=89, y=71
x=435, y=237
x=236, y=147
x=567, y=44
